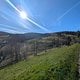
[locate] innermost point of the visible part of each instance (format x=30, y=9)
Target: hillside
x=17, y=47
x=55, y=64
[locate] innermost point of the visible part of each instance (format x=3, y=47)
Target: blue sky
x=52, y=15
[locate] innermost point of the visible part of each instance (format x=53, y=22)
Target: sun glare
x=23, y=15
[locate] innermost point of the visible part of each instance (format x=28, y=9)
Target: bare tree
x=35, y=48
x=68, y=40
x=25, y=51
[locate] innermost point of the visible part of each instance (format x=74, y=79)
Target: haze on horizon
x=39, y=16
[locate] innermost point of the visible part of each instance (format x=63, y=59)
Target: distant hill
x=22, y=37
x=15, y=47
x=3, y=33
x=28, y=36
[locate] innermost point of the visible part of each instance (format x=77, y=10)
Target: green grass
x=56, y=64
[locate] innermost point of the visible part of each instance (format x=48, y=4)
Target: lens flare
x=23, y=15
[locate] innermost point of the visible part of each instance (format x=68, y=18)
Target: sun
x=23, y=14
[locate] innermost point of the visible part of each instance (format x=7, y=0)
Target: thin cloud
x=68, y=11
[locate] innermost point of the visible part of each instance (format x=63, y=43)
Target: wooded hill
x=17, y=47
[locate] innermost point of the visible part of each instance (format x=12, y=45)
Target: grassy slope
x=56, y=64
